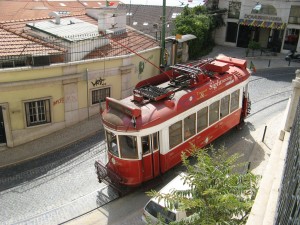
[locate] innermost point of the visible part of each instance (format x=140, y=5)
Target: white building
x=275, y=24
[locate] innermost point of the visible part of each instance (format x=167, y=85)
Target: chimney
x=56, y=16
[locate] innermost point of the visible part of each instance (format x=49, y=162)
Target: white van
x=154, y=209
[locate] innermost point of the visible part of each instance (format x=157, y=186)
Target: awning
x=183, y=38
x=262, y=23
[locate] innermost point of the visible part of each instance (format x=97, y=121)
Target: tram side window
x=128, y=147
x=155, y=141
x=112, y=143
x=214, y=112
x=224, y=106
x=175, y=134
x=202, y=119
x=189, y=126
x=234, y=104
x=146, y=144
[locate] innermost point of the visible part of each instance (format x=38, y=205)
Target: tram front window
x=112, y=143
x=128, y=146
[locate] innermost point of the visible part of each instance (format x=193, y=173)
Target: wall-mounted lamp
x=257, y=7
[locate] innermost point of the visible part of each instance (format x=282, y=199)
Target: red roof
x=127, y=43
x=32, y=9
x=14, y=44
x=17, y=42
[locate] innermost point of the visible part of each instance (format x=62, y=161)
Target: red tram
x=189, y=104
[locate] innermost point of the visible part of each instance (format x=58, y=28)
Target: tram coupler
x=109, y=177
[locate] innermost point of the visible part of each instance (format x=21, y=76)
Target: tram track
x=272, y=75
x=57, y=168
x=269, y=106
x=73, y=205
x=90, y=211
x=273, y=95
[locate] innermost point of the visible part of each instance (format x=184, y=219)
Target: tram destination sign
x=117, y=105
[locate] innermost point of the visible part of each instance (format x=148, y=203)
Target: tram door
x=150, y=161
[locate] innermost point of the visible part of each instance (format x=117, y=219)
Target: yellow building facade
x=37, y=101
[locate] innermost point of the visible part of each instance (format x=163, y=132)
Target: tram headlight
x=113, y=161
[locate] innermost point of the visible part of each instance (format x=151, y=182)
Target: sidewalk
x=49, y=143
x=52, y=142
x=260, y=61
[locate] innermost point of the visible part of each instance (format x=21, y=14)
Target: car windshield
x=157, y=211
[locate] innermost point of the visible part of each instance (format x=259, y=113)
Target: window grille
x=100, y=95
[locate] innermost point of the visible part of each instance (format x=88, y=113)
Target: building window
x=231, y=32
x=294, y=17
x=100, y=95
x=234, y=10
x=37, y=112
x=264, y=9
x=291, y=39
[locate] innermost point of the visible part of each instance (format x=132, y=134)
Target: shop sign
x=262, y=17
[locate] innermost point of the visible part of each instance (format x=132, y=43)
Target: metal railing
x=288, y=211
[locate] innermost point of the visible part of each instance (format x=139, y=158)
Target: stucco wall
x=68, y=86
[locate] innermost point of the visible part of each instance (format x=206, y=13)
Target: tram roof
x=216, y=77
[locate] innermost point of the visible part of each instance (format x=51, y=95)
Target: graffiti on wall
x=71, y=99
x=98, y=82
x=58, y=101
x=67, y=99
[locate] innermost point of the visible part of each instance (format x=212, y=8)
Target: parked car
x=155, y=210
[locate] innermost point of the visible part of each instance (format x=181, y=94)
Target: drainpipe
x=87, y=93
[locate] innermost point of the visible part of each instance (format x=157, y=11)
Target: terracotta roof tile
x=137, y=15
x=127, y=43
x=31, y=9
x=15, y=45
x=15, y=40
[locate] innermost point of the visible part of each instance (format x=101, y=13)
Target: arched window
x=264, y=9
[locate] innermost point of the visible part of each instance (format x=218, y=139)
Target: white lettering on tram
x=215, y=84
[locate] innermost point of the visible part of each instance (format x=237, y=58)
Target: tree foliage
x=218, y=194
x=200, y=22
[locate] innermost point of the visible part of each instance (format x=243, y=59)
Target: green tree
x=254, y=45
x=200, y=22
x=218, y=195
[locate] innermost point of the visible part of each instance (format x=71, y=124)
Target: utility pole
x=163, y=31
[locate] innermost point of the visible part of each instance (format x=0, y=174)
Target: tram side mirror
x=133, y=121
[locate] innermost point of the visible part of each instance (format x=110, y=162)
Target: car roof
x=176, y=184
